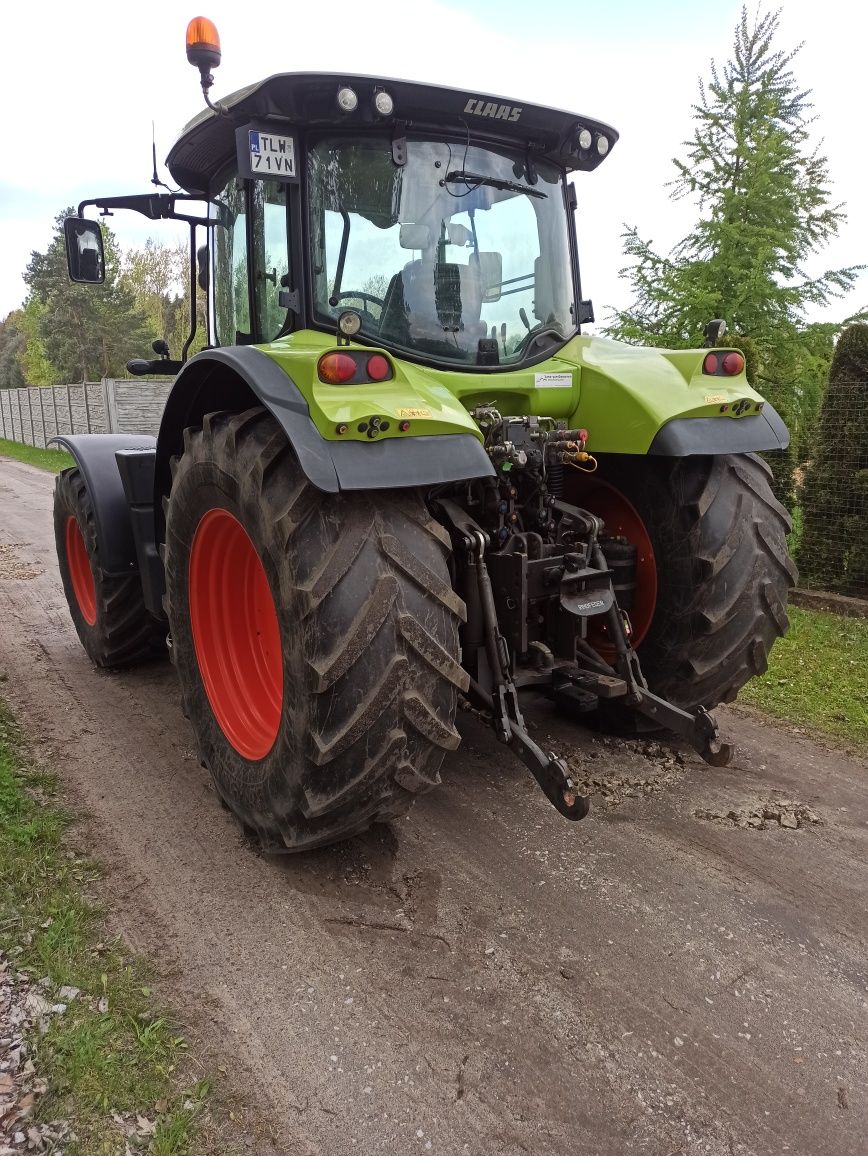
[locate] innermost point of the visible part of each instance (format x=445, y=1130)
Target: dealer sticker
x=414, y=413
x=270, y=154
x=553, y=380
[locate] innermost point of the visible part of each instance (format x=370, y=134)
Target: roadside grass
x=818, y=677
x=53, y=460
x=112, y=1051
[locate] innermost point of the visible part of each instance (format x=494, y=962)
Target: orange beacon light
x=203, y=44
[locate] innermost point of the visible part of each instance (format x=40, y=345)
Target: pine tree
x=833, y=552
x=764, y=202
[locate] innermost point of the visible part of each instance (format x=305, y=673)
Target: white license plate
x=271, y=155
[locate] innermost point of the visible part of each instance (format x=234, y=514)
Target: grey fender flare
x=332, y=467
x=95, y=456
x=719, y=435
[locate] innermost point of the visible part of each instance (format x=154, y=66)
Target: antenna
x=155, y=180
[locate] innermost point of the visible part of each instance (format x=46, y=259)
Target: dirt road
x=482, y=977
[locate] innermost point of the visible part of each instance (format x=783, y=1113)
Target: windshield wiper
x=467, y=178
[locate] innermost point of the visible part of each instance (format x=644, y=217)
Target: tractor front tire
x=315, y=636
x=723, y=572
x=108, y=611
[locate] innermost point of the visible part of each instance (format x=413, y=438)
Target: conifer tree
x=765, y=207
x=833, y=552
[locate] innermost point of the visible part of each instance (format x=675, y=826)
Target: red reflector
x=733, y=363
x=378, y=368
x=336, y=368
x=710, y=363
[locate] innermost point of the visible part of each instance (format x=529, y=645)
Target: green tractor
x=400, y=473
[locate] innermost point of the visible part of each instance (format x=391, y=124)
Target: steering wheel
x=359, y=295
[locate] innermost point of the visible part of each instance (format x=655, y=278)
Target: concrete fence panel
x=34, y=398
x=6, y=413
x=138, y=405
x=34, y=415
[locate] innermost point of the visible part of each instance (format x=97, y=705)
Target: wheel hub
x=622, y=521
x=236, y=634
x=80, y=573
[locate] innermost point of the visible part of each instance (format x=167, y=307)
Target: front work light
x=585, y=139
x=602, y=145
x=347, y=100
x=384, y=104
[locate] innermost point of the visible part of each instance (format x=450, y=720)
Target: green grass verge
x=817, y=677
x=112, y=1051
x=53, y=460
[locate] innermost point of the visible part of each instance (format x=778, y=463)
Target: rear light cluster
x=342, y=368
x=723, y=364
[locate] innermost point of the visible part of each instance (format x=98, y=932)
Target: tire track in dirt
x=481, y=977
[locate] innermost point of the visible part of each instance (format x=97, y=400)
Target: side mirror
x=85, y=257
x=491, y=276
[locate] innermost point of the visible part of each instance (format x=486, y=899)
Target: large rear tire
x=315, y=636
x=108, y=612
x=720, y=563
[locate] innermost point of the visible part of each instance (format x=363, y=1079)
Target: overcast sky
x=79, y=89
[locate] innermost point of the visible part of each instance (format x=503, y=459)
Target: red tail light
x=336, y=368
x=723, y=364
x=733, y=363
x=378, y=368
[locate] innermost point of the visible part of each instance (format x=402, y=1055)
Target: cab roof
x=309, y=100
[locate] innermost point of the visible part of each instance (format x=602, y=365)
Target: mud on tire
x=368, y=625
x=108, y=612
x=723, y=571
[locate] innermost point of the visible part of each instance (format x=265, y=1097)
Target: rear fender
x=239, y=377
x=95, y=456
x=641, y=400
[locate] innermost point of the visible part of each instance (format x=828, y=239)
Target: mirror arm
x=154, y=206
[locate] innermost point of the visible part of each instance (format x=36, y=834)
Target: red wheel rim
x=622, y=521
x=236, y=635
x=80, y=573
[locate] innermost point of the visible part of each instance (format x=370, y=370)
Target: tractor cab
x=441, y=218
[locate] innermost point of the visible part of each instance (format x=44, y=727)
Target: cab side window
x=271, y=264
x=231, y=273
